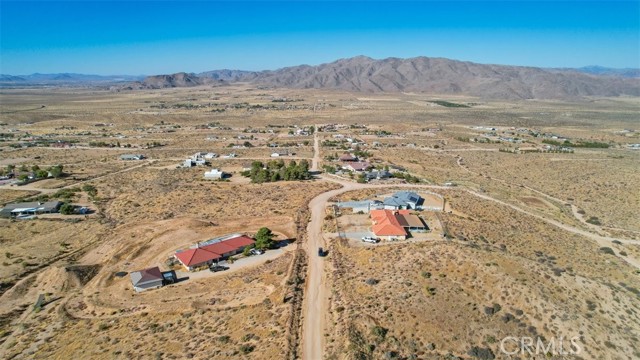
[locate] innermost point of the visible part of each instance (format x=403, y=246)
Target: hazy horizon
x=164, y=37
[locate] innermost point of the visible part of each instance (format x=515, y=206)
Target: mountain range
x=419, y=74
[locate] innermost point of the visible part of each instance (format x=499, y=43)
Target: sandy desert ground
x=532, y=242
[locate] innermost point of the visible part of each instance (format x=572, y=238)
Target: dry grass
x=546, y=281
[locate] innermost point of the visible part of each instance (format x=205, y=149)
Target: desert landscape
x=530, y=210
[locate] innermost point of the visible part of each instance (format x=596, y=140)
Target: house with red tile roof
x=395, y=224
x=208, y=253
x=386, y=226
x=197, y=257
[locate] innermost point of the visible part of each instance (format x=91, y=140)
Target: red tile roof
x=240, y=241
x=213, y=251
x=386, y=224
x=196, y=256
x=219, y=248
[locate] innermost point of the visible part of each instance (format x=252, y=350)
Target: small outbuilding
x=146, y=279
x=131, y=157
x=215, y=174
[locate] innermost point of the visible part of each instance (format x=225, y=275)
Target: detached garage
x=146, y=279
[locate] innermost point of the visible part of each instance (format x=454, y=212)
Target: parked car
x=370, y=239
x=216, y=268
x=256, y=252
x=320, y=252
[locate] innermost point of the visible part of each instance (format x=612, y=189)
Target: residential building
x=396, y=224
x=146, y=279
x=131, y=157
x=348, y=157
x=403, y=200
x=386, y=226
x=364, y=206
x=192, y=259
x=206, y=253
x=377, y=175
x=357, y=166
x=215, y=174
x=30, y=208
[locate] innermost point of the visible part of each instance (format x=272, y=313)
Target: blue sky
x=152, y=37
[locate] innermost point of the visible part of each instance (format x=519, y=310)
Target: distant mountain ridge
x=419, y=74
x=65, y=78
x=605, y=71
x=424, y=75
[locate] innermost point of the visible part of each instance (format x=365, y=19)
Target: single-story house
x=395, y=224
x=195, y=258
x=386, y=225
x=377, y=175
x=279, y=153
x=403, y=200
x=211, y=156
x=146, y=279
x=357, y=166
x=30, y=208
x=131, y=157
x=214, y=174
x=189, y=163
x=411, y=222
x=348, y=157
x=206, y=253
x=364, y=206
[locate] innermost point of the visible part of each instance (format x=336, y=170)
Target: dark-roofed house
x=30, y=208
x=348, y=157
x=377, y=175
x=411, y=222
x=146, y=279
x=403, y=200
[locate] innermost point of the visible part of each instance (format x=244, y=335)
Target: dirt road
x=315, y=300
x=316, y=150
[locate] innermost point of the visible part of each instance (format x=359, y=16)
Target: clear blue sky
x=153, y=37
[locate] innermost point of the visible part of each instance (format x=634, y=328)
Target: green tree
x=42, y=174
x=56, y=171
x=264, y=238
x=67, y=209
x=10, y=168
x=361, y=178
x=91, y=190
x=23, y=167
x=35, y=168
